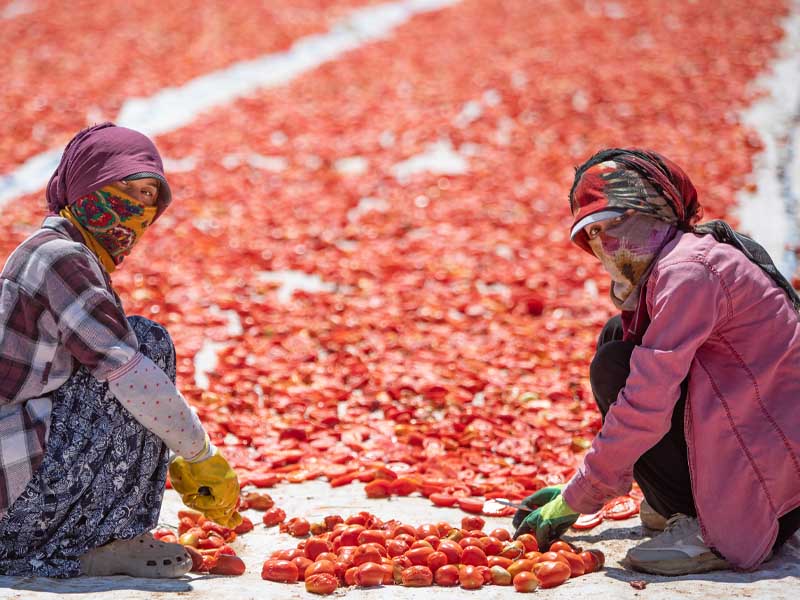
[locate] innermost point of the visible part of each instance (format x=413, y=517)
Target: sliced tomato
x=588, y=521
x=620, y=508
x=440, y=499
x=471, y=505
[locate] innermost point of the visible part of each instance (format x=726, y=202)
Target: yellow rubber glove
x=208, y=485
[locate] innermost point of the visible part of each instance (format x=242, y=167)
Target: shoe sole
x=682, y=566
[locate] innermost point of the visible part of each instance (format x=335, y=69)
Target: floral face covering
x=627, y=251
x=111, y=223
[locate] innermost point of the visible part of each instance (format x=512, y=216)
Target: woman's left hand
x=548, y=522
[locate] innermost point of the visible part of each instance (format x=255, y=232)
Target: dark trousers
x=663, y=471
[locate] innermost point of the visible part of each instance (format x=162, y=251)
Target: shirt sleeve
x=91, y=322
x=688, y=299
x=143, y=388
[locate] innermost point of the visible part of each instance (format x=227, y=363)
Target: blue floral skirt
x=101, y=478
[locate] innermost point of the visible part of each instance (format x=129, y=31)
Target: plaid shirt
x=57, y=312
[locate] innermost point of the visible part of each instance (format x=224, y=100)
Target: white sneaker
x=679, y=550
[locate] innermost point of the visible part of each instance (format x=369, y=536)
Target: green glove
x=548, y=522
x=540, y=498
x=209, y=485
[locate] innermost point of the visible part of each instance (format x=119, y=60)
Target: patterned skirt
x=101, y=478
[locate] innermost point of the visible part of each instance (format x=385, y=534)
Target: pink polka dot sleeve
x=148, y=394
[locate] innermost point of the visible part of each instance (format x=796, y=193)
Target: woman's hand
x=549, y=521
x=208, y=485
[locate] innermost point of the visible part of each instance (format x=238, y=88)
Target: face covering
x=111, y=223
x=627, y=251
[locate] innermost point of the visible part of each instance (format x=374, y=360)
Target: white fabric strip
x=153, y=400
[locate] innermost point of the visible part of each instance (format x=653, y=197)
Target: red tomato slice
x=443, y=499
x=471, y=505
x=620, y=508
x=588, y=521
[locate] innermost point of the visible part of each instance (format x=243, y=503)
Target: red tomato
x=302, y=563
x=451, y=550
x=369, y=574
x=501, y=534
x=279, y=570
x=621, y=508
x=525, y=581
x=471, y=505
x=316, y=546
x=396, y=547
x=245, y=526
x=368, y=553
x=297, y=526
x=551, y=573
x=322, y=583
x=522, y=564
x=440, y=499
x=529, y=542
x=474, y=556
x=419, y=556
x=588, y=521
x=469, y=577
x=436, y=560
x=500, y=576
x=447, y=576
x=378, y=488
x=320, y=566
x=500, y=561
x=228, y=565
x=576, y=564
x=417, y=576
x=472, y=523
x=274, y=516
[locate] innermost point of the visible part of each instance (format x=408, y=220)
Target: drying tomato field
x=366, y=269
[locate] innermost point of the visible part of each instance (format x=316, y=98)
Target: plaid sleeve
x=93, y=326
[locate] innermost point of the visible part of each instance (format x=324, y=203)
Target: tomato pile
x=362, y=550
x=207, y=542
x=448, y=354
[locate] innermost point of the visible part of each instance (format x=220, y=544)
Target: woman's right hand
x=208, y=485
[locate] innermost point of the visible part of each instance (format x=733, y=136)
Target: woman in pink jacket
x=698, y=379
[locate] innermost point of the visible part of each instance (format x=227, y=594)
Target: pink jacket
x=718, y=318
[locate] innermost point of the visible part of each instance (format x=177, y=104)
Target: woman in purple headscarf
x=88, y=405
x=697, y=379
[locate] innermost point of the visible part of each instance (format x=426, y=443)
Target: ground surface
x=375, y=200
x=778, y=579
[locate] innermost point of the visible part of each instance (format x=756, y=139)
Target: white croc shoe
x=142, y=556
x=679, y=550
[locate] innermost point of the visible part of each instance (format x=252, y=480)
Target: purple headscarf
x=100, y=155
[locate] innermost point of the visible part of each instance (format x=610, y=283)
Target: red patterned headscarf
x=618, y=179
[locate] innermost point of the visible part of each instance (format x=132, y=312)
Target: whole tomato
x=447, y=576
x=417, y=576
x=316, y=546
x=419, y=556
x=283, y=571
x=474, y=556
x=274, y=516
x=500, y=576
x=396, y=547
x=368, y=553
x=520, y=565
x=451, y=550
x=322, y=583
x=470, y=577
x=551, y=573
x=320, y=566
x=369, y=574
x=302, y=563
x=576, y=564
x=436, y=560
x=525, y=581
x=473, y=522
